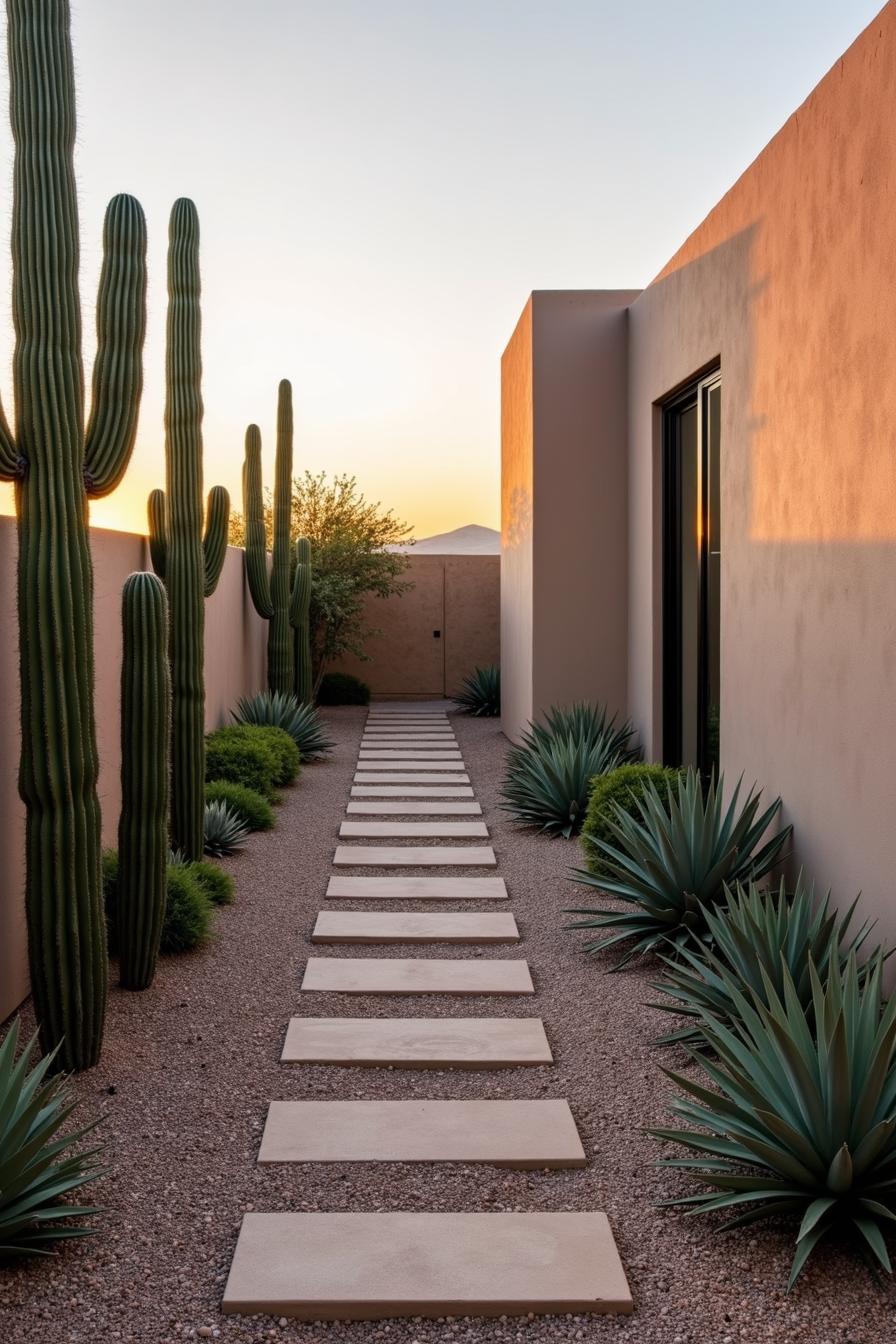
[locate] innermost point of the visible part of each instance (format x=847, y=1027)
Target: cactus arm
x=158, y=532
x=10, y=462
x=300, y=596
x=121, y=327
x=214, y=541
x=253, y=512
x=143, y=825
x=300, y=619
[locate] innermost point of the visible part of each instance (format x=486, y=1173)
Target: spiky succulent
x=480, y=693
x=34, y=1175
x=800, y=1113
x=672, y=861
x=755, y=936
x=586, y=723
x=225, y=830
x=548, y=780
x=274, y=709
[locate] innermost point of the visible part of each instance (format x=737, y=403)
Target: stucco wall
x=564, y=527
x=457, y=595
x=235, y=643
x=790, y=283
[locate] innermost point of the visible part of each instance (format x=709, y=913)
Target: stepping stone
x=409, y=791
x=414, y=808
x=416, y=889
x=413, y=731
x=521, y=1134
x=445, y=743
x=414, y=856
x=382, y=762
x=386, y=926
x=375, y=777
x=393, y=830
x=418, y=1042
x=369, y=1266
x=415, y=975
x=408, y=755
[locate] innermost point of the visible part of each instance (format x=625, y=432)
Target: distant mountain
x=470, y=540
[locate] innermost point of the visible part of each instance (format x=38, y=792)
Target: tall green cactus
x=300, y=616
x=143, y=825
x=189, y=562
x=56, y=465
x=271, y=596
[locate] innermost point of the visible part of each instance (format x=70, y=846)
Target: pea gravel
x=188, y=1069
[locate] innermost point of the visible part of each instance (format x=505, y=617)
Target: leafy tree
x=350, y=559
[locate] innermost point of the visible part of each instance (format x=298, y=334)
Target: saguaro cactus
x=300, y=616
x=56, y=464
x=189, y=562
x=143, y=826
x=271, y=596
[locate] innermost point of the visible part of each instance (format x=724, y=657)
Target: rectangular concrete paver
x=434, y=830
x=409, y=777
x=418, y=1042
x=415, y=975
x=437, y=730
x=417, y=889
x=414, y=856
x=414, y=807
x=406, y=754
x=508, y=1133
x=390, y=926
x=368, y=1266
x=408, y=743
x=409, y=765
x=410, y=791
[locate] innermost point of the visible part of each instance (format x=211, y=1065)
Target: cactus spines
x=56, y=466
x=143, y=826
x=273, y=599
x=189, y=563
x=300, y=616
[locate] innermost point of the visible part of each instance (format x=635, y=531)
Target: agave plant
x=33, y=1173
x=756, y=937
x=672, y=862
x=586, y=723
x=225, y=830
x=801, y=1118
x=274, y=709
x=480, y=693
x=547, y=782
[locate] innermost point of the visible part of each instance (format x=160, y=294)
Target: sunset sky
x=382, y=182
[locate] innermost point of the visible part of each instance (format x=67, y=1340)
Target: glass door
x=692, y=545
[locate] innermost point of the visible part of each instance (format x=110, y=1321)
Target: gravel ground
x=189, y=1067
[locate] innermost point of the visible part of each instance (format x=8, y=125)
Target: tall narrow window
x=691, y=575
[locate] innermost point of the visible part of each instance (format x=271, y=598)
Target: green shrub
x=302, y=722
x=35, y=1174
x=756, y=936
x=188, y=908
x=622, y=788
x=217, y=885
x=672, y=862
x=480, y=693
x=254, y=809
x=232, y=756
x=224, y=832
x=797, y=1119
x=281, y=746
x=188, y=911
x=340, y=688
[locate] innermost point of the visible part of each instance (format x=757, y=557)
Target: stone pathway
x=368, y=1266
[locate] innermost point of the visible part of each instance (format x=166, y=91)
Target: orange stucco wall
x=235, y=652
x=564, y=534
x=456, y=595
x=791, y=284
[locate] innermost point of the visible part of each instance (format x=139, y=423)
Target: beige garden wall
x=457, y=596
x=564, y=526
x=235, y=644
x=789, y=283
